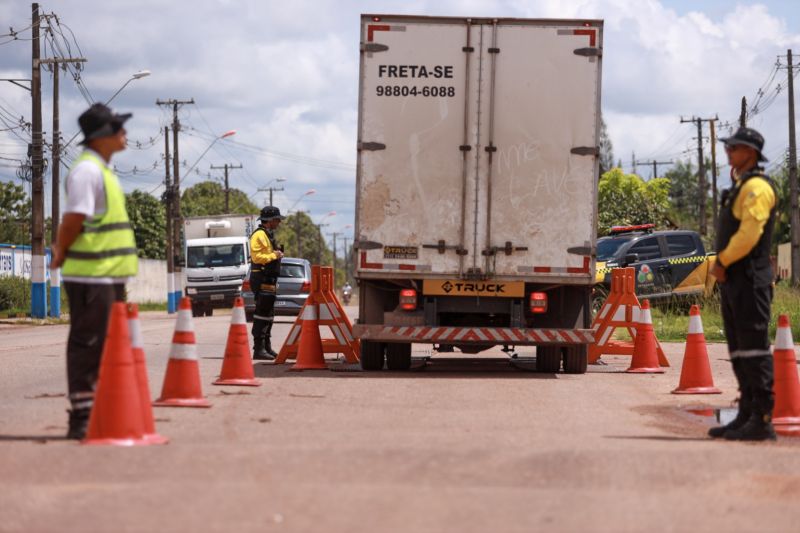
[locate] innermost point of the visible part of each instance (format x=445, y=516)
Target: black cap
x=747, y=137
x=270, y=212
x=99, y=121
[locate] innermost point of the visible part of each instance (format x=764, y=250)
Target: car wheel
x=398, y=356
x=372, y=355
x=576, y=359
x=197, y=310
x=209, y=311
x=548, y=359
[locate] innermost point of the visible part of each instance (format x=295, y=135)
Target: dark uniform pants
x=89, y=311
x=264, y=292
x=746, y=314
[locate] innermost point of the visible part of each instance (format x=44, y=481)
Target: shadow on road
x=460, y=368
x=664, y=438
x=40, y=439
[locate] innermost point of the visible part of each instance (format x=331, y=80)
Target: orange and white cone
x=116, y=417
x=309, y=351
x=696, y=370
x=182, y=381
x=786, y=414
x=645, y=348
x=140, y=367
x=237, y=367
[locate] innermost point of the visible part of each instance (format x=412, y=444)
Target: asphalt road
x=463, y=444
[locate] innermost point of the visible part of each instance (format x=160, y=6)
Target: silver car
x=294, y=286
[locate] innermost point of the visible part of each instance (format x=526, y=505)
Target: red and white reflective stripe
x=310, y=312
x=372, y=28
x=237, y=317
x=325, y=312
x=590, y=32
x=183, y=351
x=390, y=266
x=184, y=321
x=502, y=335
x=135, y=329
x=783, y=339
x=293, y=335
x=695, y=325
x=556, y=270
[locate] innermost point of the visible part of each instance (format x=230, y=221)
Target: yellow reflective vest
x=106, y=247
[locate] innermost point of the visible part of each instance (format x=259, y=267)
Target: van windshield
x=607, y=247
x=218, y=255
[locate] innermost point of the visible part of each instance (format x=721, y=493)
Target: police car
x=668, y=263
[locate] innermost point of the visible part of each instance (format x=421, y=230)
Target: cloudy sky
x=284, y=75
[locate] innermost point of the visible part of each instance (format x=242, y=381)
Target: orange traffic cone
x=182, y=381
x=696, y=371
x=645, y=351
x=116, y=415
x=137, y=347
x=237, y=367
x=309, y=351
x=786, y=415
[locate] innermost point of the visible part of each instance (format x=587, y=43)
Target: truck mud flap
x=467, y=335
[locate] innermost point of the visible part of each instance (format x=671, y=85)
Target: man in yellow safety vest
x=96, y=251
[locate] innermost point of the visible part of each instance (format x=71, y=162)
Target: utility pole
x=177, y=224
x=334, y=235
x=795, y=214
x=701, y=172
x=346, y=261
x=38, y=259
x=743, y=113
x=55, y=175
x=712, y=124
x=633, y=161
x=226, y=166
x=172, y=306
x=655, y=165
x=271, y=190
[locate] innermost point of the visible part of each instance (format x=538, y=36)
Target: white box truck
x=217, y=256
x=476, y=188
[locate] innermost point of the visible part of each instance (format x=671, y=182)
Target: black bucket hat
x=99, y=121
x=270, y=212
x=747, y=137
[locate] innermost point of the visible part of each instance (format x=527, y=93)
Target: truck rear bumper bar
x=472, y=335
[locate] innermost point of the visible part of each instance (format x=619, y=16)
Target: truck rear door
x=476, y=147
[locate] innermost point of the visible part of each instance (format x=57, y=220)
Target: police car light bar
x=626, y=229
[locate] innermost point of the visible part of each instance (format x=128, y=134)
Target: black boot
x=268, y=347
x=758, y=427
x=78, y=423
x=259, y=351
x=745, y=403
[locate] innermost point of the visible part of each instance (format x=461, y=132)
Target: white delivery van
x=476, y=186
x=217, y=255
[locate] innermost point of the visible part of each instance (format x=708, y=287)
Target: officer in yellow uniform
x=96, y=249
x=743, y=269
x=265, y=267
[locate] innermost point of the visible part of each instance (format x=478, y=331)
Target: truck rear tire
x=197, y=310
x=398, y=356
x=576, y=359
x=548, y=359
x=209, y=311
x=372, y=355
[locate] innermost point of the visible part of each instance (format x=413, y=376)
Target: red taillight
x=246, y=286
x=408, y=299
x=306, y=287
x=538, y=302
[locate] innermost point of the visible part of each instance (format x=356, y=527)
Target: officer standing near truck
x=744, y=236
x=265, y=267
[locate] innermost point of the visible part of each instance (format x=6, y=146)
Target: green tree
x=684, y=211
x=626, y=199
x=606, y=149
x=208, y=198
x=783, y=230
x=148, y=218
x=302, y=238
x=15, y=214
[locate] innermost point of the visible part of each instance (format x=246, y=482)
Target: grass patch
x=152, y=306
x=671, y=321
